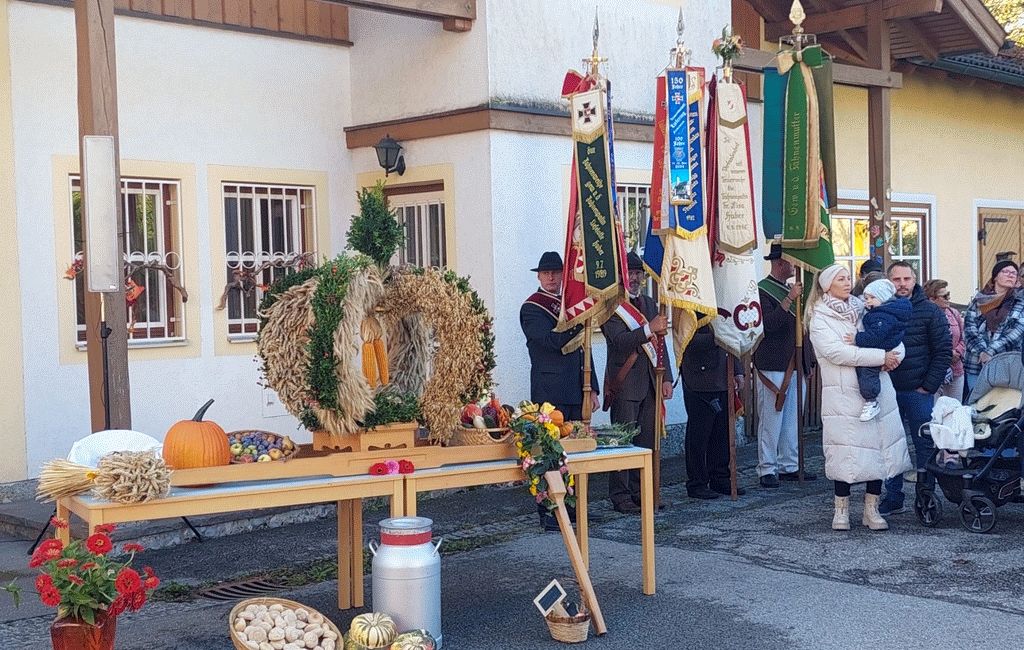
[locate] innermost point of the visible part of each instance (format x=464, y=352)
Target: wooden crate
x=390, y=437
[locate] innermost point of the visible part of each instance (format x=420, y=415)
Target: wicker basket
x=268, y=601
x=284, y=456
x=569, y=629
x=464, y=436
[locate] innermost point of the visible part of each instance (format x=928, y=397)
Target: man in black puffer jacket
x=929, y=351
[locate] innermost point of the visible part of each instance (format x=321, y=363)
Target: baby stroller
x=988, y=475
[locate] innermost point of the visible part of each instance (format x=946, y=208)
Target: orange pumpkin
x=565, y=429
x=196, y=443
x=557, y=417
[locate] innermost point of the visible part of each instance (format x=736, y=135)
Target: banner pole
x=587, y=409
x=730, y=398
x=659, y=412
x=799, y=363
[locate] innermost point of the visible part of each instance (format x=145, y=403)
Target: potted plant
x=88, y=587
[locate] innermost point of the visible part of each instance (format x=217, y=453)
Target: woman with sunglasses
x=938, y=292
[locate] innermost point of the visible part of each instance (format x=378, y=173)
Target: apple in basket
x=469, y=413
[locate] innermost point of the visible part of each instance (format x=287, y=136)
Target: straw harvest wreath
x=440, y=343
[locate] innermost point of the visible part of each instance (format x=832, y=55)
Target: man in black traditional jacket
x=555, y=377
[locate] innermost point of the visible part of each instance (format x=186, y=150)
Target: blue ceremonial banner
x=654, y=252
x=774, y=128
x=689, y=221
x=678, y=142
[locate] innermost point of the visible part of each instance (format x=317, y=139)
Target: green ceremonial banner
x=774, y=130
x=803, y=147
x=826, y=126
x=794, y=191
x=595, y=204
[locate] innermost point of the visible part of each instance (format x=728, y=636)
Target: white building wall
x=406, y=67
x=531, y=44
x=187, y=95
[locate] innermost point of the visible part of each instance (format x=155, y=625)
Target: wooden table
x=347, y=491
x=581, y=465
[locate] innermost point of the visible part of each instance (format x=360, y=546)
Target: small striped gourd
x=374, y=630
x=414, y=640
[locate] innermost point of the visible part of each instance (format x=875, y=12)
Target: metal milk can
x=406, y=580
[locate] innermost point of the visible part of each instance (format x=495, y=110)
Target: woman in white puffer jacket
x=855, y=452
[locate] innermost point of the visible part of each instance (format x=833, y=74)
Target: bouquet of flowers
x=728, y=47
x=83, y=582
x=537, y=442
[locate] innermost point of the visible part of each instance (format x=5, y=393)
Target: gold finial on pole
x=680, y=53
x=595, y=59
x=797, y=17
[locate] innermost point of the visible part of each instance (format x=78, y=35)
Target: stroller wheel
x=927, y=508
x=978, y=514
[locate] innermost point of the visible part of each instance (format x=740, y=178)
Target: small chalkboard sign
x=548, y=599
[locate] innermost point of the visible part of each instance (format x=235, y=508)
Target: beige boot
x=841, y=519
x=871, y=518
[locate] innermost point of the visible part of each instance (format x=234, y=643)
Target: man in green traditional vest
x=776, y=382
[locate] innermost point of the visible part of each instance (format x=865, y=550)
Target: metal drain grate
x=244, y=589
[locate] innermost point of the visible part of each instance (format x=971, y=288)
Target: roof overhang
x=920, y=29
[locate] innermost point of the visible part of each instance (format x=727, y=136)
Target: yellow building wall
x=958, y=143
x=13, y=462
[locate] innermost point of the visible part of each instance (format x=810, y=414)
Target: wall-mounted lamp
x=389, y=155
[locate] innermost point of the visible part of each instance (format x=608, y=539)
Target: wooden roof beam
x=985, y=37
x=919, y=39
x=454, y=15
x=846, y=75
x=855, y=17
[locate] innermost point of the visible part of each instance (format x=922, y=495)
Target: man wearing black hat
x=776, y=380
x=629, y=381
x=554, y=377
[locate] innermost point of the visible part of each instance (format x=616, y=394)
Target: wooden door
x=999, y=237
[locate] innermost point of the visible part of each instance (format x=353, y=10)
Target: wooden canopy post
x=97, y=115
x=879, y=140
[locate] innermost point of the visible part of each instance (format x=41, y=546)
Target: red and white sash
x=635, y=320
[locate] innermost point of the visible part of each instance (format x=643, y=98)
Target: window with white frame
x=267, y=229
x=908, y=234
x=635, y=209
x=152, y=245
x=422, y=216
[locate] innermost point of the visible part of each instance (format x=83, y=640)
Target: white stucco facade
x=210, y=105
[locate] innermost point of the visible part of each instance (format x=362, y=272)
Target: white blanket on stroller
x=951, y=426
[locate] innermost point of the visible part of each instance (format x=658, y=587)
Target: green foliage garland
x=375, y=231
x=392, y=406
x=327, y=303
x=327, y=309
